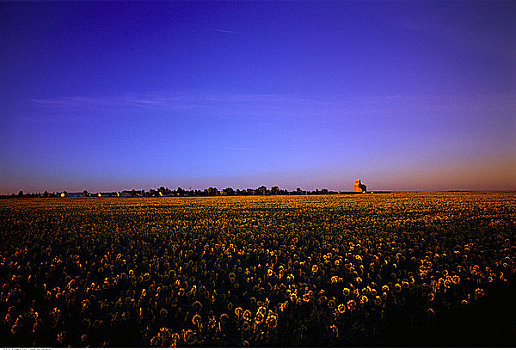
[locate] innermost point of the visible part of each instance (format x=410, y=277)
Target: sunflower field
x=321, y=270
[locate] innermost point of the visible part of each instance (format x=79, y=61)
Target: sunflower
x=341, y=308
x=61, y=337
x=156, y=341
x=36, y=327
x=271, y=321
x=247, y=315
x=307, y=297
x=334, y=330
x=202, y=290
x=224, y=318
x=346, y=292
x=196, y=320
x=146, y=277
x=351, y=305
x=197, y=305
x=189, y=337
x=262, y=310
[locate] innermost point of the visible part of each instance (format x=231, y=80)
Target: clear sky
x=121, y=95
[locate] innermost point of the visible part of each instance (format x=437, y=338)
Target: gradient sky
x=402, y=95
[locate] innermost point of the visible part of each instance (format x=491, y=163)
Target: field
x=337, y=270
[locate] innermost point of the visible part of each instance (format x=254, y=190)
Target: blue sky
x=403, y=95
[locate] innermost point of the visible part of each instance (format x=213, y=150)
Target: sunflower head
x=351, y=305
x=196, y=320
x=247, y=315
x=271, y=321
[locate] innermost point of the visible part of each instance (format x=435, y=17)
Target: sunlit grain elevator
x=359, y=187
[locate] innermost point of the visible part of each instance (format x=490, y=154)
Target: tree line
x=179, y=192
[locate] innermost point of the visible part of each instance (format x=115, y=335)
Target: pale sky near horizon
x=105, y=96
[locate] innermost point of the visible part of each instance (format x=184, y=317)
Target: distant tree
x=164, y=190
x=85, y=193
x=45, y=194
x=261, y=190
x=275, y=190
x=20, y=194
x=212, y=191
x=229, y=191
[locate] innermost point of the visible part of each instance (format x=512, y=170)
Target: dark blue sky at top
x=403, y=95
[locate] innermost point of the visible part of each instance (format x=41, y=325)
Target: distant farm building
x=359, y=187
